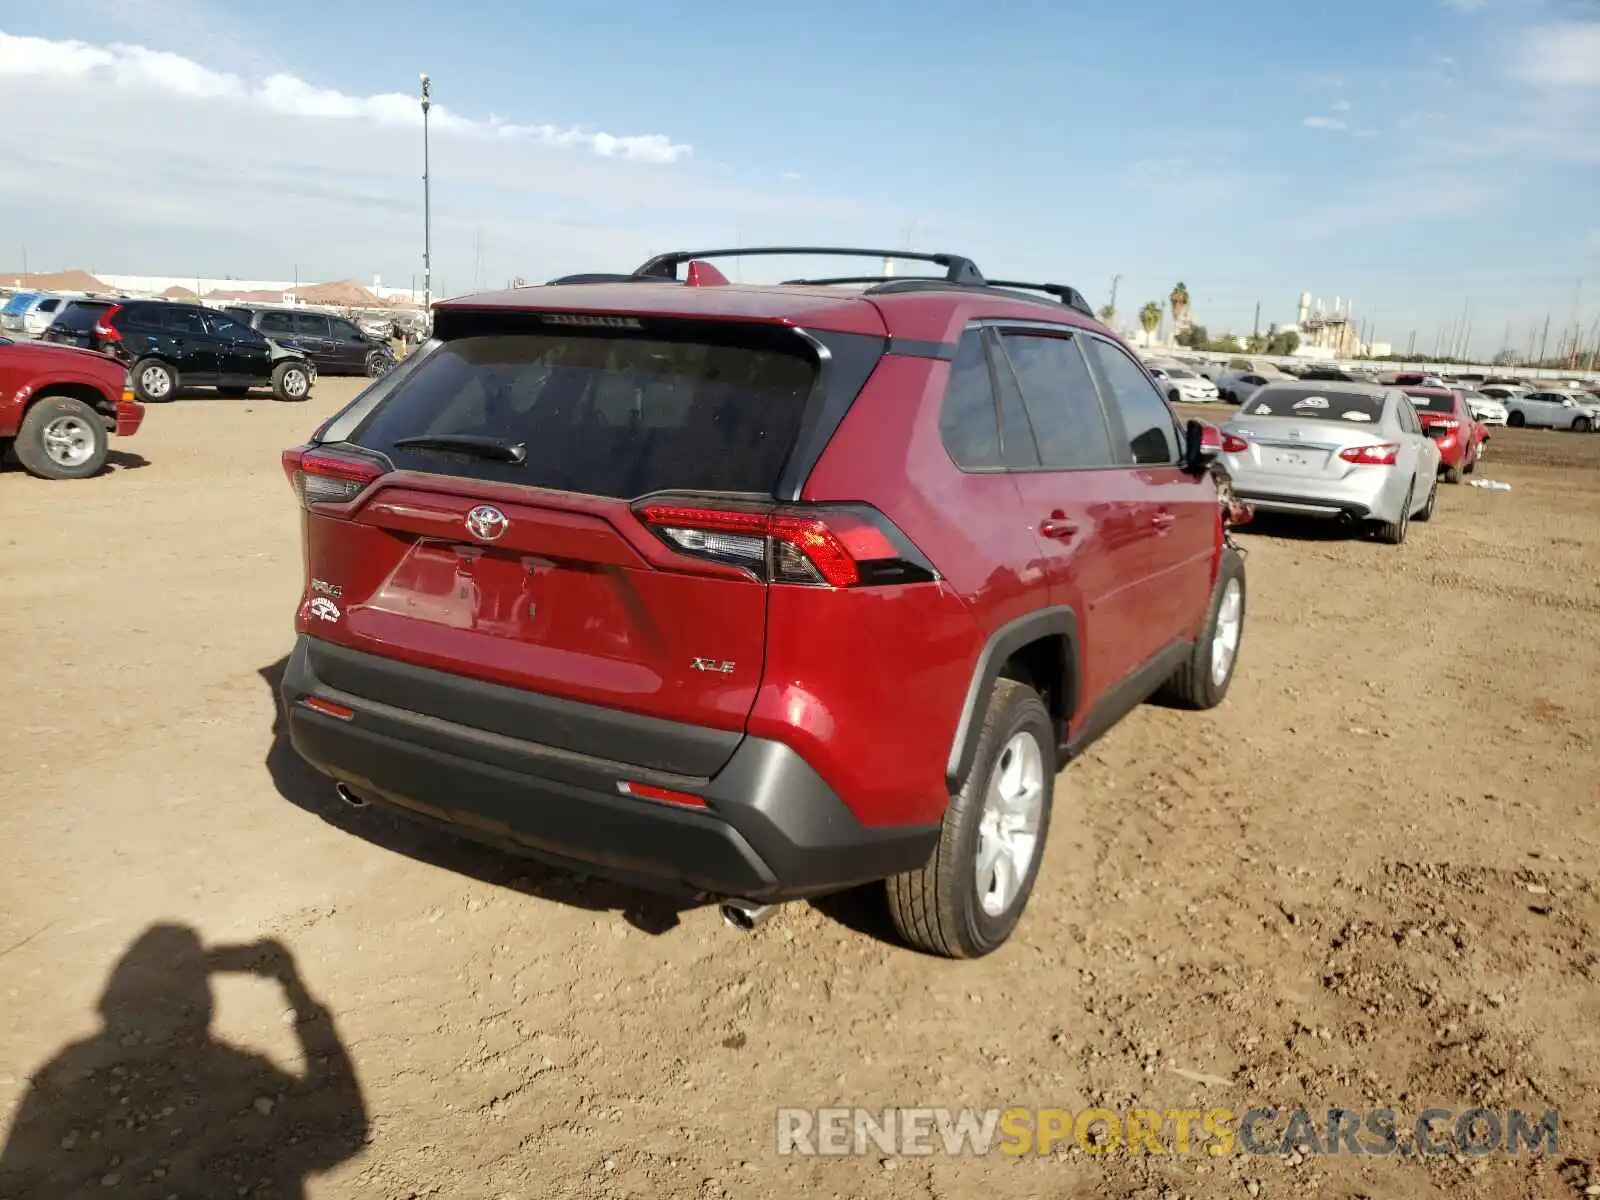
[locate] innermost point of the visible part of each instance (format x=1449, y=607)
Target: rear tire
x=1427, y=509
x=942, y=908
x=154, y=381
x=62, y=438
x=1452, y=474
x=291, y=382
x=1199, y=684
x=1392, y=533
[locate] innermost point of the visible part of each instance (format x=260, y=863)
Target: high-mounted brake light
x=1232, y=443
x=1383, y=455
x=322, y=477
x=816, y=547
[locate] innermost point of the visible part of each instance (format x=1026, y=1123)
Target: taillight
x=1371, y=456
x=1232, y=443
x=823, y=547
x=104, y=329
x=323, y=477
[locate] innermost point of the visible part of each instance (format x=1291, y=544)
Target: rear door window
x=1063, y=406
x=968, y=422
x=273, y=323
x=1152, y=435
x=617, y=416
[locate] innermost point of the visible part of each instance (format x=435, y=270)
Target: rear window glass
x=1427, y=403
x=605, y=415
x=80, y=316
x=1323, y=404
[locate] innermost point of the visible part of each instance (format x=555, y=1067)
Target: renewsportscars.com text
x=1175, y=1131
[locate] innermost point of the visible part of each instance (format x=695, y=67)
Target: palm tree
x=1150, y=317
x=1108, y=314
x=1180, y=304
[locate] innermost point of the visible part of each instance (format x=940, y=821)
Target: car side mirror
x=1202, y=446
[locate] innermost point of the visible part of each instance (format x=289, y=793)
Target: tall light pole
x=427, y=204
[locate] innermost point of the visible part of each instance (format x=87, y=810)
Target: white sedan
x=1554, y=410
x=1485, y=409
x=1238, y=386
x=1184, y=386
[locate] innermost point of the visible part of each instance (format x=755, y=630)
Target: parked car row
x=334, y=345
x=1368, y=454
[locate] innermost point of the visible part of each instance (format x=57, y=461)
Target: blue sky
x=1416, y=155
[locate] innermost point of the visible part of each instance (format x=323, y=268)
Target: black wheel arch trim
x=1057, y=621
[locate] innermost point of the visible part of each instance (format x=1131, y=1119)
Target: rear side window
x=1152, y=438
x=274, y=323
x=142, y=316
x=968, y=422
x=607, y=415
x=311, y=325
x=1322, y=404
x=1063, y=405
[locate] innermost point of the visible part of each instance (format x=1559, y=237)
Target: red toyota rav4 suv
x=757, y=592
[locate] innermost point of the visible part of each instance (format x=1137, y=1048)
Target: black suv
x=74, y=324
x=168, y=345
x=337, y=346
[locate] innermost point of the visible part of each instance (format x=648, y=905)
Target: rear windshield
x=78, y=315
x=1427, y=403
x=19, y=302
x=1324, y=404
x=617, y=416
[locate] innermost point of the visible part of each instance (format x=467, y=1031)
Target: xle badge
x=714, y=665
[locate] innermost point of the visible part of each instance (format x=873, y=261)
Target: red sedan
x=1449, y=422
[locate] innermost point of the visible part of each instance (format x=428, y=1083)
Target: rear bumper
x=1264, y=502
x=771, y=829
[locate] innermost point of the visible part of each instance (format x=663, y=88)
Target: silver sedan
x=1349, y=451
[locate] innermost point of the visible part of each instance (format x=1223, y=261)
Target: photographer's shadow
x=154, y=1105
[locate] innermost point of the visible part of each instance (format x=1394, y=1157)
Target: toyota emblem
x=486, y=522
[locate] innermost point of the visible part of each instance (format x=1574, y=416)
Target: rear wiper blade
x=496, y=449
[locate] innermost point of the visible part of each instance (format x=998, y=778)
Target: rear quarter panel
x=37, y=369
x=869, y=684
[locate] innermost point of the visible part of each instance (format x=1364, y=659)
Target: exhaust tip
x=349, y=797
x=744, y=915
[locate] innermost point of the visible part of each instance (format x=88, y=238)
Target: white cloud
x=254, y=171
x=1564, y=55
x=118, y=65
x=1324, y=123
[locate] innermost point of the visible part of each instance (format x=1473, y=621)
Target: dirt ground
x=1369, y=879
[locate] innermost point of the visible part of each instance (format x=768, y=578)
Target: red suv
x=757, y=591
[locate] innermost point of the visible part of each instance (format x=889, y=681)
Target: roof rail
x=1070, y=297
x=957, y=269
x=595, y=277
